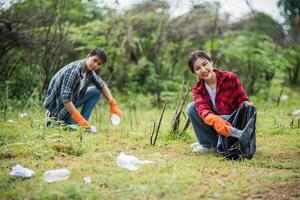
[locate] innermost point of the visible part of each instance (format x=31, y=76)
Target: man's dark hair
x=100, y=53
x=194, y=56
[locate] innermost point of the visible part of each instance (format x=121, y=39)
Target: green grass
x=176, y=173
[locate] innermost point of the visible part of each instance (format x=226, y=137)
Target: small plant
x=184, y=92
x=155, y=128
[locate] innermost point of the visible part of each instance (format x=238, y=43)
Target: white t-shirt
x=212, y=94
x=82, y=81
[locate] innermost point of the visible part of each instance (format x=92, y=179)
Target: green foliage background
x=147, y=46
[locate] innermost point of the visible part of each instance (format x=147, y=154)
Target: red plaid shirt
x=230, y=95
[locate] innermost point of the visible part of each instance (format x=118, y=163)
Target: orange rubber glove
x=77, y=117
x=221, y=125
x=114, y=109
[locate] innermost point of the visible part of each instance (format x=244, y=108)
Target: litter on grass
x=130, y=162
x=51, y=176
x=24, y=114
x=115, y=119
x=87, y=180
x=20, y=171
x=296, y=113
x=93, y=129
x=284, y=97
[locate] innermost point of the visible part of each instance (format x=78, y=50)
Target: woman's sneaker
x=196, y=147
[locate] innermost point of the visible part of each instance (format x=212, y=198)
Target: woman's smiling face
x=203, y=68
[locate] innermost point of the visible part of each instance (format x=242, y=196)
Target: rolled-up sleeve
x=97, y=81
x=66, y=91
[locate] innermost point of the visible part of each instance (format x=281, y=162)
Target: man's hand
x=114, y=109
x=221, y=125
x=77, y=117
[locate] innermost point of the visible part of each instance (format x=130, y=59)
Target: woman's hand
x=222, y=126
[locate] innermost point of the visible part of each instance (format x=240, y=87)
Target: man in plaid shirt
x=216, y=95
x=69, y=89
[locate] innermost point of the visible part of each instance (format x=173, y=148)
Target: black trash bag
x=243, y=146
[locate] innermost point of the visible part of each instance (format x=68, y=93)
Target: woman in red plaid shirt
x=216, y=95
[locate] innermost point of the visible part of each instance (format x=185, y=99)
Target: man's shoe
x=47, y=119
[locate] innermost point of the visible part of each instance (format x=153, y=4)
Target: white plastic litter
x=10, y=121
x=93, y=129
x=56, y=175
x=216, y=194
x=87, y=180
x=19, y=170
x=221, y=182
x=284, y=97
x=234, y=132
x=24, y=114
x=115, y=119
x=130, y=162
x=296, y=113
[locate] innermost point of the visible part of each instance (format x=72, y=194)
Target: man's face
x=93, y=63
x=203, y=68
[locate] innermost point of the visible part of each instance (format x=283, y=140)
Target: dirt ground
x=279, y=191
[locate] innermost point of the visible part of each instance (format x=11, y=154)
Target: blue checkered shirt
x=65, y=87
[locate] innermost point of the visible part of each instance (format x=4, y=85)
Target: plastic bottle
x=234, y=132
x=115, y=119
x=56, y=175
x=93, y=129
x=87, y=180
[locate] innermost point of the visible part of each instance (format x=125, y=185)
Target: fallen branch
x=153, y=130
x=187, y=124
